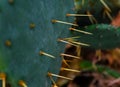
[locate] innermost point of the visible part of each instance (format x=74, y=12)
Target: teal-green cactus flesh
x=87, y=65
x=25, y=30
x=103, y=36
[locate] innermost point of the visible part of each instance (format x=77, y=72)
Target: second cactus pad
x=103, y=36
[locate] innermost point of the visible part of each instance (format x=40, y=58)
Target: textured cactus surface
x=103, y=36
x=25, y=30
x=87, y=65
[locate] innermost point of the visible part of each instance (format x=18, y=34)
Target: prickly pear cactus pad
x=26, y=32
x=103, y=36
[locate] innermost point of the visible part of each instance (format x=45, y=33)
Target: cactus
x=103, y=36
x=87, y=65
x=28, y=40
x=98, y=11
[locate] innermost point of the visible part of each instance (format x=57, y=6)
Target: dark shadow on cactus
x=96, y=8
x=8, y=85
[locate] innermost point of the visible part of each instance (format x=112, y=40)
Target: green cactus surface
x=87, y=65
x=25, y=30
x=103, y=36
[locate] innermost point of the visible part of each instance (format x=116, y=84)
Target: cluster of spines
x=106, y=10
